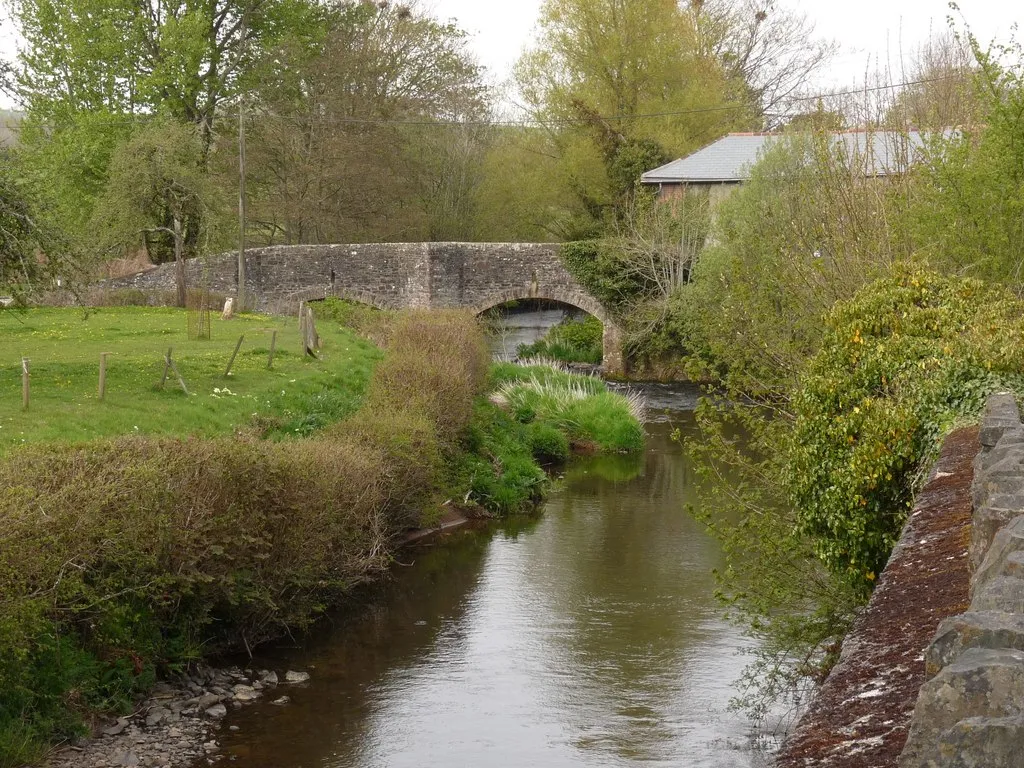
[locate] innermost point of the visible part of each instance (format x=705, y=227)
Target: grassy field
x=183, y=548
x=297, y=396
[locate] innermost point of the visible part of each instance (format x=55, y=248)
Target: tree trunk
x=179, y=262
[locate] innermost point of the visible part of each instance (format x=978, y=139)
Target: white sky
x=870, y=32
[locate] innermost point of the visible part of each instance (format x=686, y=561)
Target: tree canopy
x=622, y=87
x=372, y=121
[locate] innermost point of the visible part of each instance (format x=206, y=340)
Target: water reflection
x=525, y=324
x=589, y=637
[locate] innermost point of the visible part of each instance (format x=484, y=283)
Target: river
x=587, y=636
x=524, y=325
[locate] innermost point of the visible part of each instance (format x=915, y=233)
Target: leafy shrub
x=573, y=341
x=413, y=457
x=604, y=272
x=966, y=211
x=436, y=364
x=548, y=443
x=901, y=362
x=136, y=549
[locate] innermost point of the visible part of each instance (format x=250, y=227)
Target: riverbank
x=178, y=722
x=142, y=555
x=860, y=715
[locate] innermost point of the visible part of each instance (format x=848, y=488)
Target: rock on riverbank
x=176, y=726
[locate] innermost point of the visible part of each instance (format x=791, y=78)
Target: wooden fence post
x=227, y=371
x=24, y=383
x=310, y=338
x=178, y=374
x=167, y=366
x=273, y=344
x=103, y=374
x=170, y=366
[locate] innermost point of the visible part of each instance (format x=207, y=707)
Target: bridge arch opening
x=528, y=327
x=611, y=357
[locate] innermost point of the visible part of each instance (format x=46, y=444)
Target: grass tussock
x=581, y=406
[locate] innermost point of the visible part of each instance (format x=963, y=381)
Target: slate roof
x=729, y=159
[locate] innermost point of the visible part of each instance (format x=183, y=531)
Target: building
x=724, y=164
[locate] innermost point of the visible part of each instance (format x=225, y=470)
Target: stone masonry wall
x=971, y=710
x=393, y=276
x=860, y=715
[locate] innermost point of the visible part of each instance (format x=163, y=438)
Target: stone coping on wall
x=860, y=715
x=970, y=711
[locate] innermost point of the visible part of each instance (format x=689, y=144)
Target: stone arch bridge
x=474, y=276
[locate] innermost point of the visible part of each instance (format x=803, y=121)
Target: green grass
x=298, y=396
x=581, y=406
x=572, y=341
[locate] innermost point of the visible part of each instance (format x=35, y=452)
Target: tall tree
x=355, y=142
x=183, y=58
x=766, y=50
x=22, y=236
x=157, y=185
x=622, y=86
x=945, y=90
x=91, y=72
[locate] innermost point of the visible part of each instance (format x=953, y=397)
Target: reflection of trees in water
x=582, y=636
x=629, y=573
x=385, y=635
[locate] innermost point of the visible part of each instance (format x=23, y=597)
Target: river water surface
x=588, y=636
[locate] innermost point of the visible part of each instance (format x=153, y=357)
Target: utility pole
x=241, y=205
x=241, y=189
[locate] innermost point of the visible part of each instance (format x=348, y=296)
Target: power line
x=542, y=123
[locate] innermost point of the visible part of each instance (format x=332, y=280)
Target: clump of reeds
x=581, y=405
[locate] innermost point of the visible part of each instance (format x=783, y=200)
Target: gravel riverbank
x=177, y=724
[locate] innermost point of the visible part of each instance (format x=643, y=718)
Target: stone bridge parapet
x=474, y=276
x=971, y=710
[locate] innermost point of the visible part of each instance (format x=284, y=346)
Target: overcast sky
x=870, y=32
